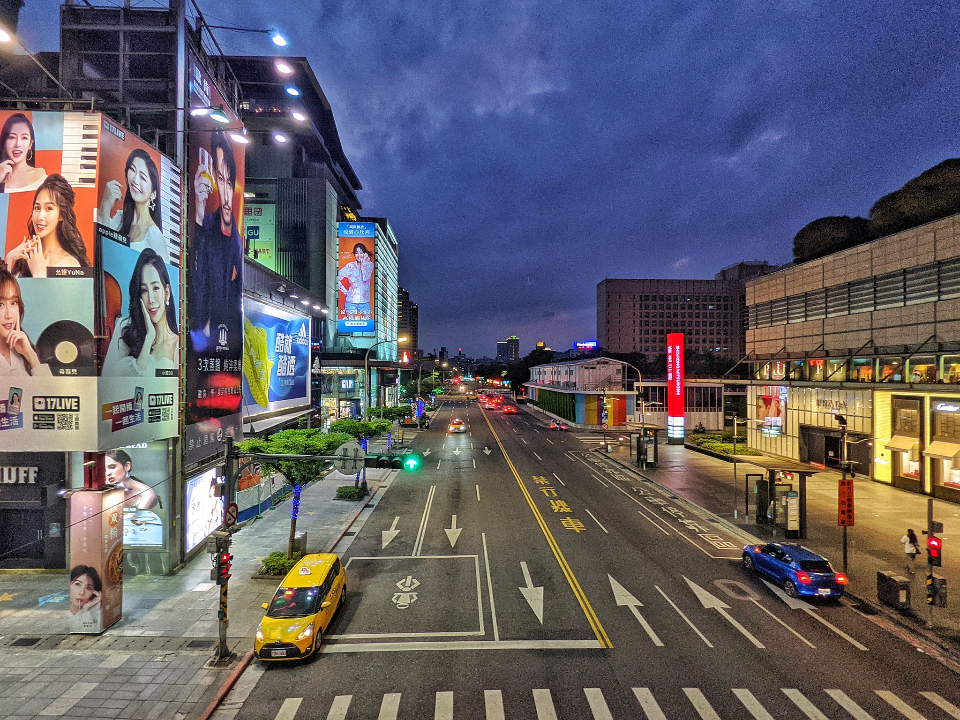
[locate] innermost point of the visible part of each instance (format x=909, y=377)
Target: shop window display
x=861, y=370
x=815, y=369
x=910, y=464
x=836, y=370
x=890, y=370
x=950, y=369
x=922, y=370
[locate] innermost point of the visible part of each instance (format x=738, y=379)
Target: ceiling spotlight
x=292, y=90
x=305, y=302
x=278, y=39
x=299, y=116
x=294, y=296
x=240, y=138
x=280, y=137
x=200, y=111
x=218, y=115
x=5, y=36
x=283, y=68
x=316, y=307
x=324, y=310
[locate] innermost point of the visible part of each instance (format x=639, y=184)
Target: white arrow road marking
x=797, y=604
x=623, y=597
x=688, y=621
x=948, y=707
x=456, y=451
x=453, y=532
x=559, y=480
x=426, y=452
x=533, y=595
x=712, y=602
x=907, y=711
x=387, y=536
x=486, y=450
x=844, y=701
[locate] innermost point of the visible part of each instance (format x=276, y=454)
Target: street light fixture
x=6, y=36
x=366, y=371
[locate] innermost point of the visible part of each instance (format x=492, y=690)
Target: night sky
x=525, y=150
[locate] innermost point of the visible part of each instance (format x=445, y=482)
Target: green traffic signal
x=412, y=462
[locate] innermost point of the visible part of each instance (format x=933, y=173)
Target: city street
x=520, y=575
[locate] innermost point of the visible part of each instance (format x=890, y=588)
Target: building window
x=890, y=370
x=922, y=370
x=906, y=416
x=950, y=368
x=861, y=370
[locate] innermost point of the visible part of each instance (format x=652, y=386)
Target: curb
x=227, y=686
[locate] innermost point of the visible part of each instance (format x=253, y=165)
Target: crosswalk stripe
x=701, y=704
x=598, y=706
x=900, y=705
x=338, y=711
x=389, y=707
x=289, y=708
x=752, y=704
x=808, y=708
x=649, y=704
x=948, y=707
x=849, y=705
x=544, y=704
x=493, y=700
x=443, y=710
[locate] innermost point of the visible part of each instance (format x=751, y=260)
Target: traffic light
x=395, y=461
x=224, y=563
x=412, y=462
x=931, y=590
x=934, y=548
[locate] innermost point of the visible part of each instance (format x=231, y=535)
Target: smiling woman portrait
x=139, y=218
x=18, y=171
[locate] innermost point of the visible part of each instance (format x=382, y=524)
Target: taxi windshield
x=294, y=602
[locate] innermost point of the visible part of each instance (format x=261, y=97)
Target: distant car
x=457, y=426
x=558, y=425
x=510, y=409
x=799, y=571
x=301, y=609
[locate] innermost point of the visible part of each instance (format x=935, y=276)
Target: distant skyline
x=526, y=150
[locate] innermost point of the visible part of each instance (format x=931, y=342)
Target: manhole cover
x=25, y=642
x=199, y=644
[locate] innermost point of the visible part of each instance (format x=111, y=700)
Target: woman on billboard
x=147, y=339
x=139, y=218
x=18, y=356
x=53, y=239
x=354, y=282
x=18, y=171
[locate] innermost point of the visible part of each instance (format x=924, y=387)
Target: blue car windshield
x=816, y=566
x=294, y=602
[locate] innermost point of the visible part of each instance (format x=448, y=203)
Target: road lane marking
x=948, y=707
x=493, y=703
x=599, y=480
x=837, y=630
x=544, y=704
x=807, y=707
x=650, y=706
x=598, y=706
x=757, y=603
x=596, y=521
x=578, y=591
x=524, y=441
x=559, y=480
x=438, y=464
x=387, y=536
x=290, y=706
x=443, y=709
x=688, y=621
x=550, y=441
x=538, y=457
x=533, y=595
x=752, y=704
x=389, y=706
x=453, y=532
x=849, y=705
x=701, y=704
x=624, y=597
x=478, y=493
x=712, y=602
x=338, y=711
x=486, y=562
x=421, y=533
x=474, y=463
x=907, y=711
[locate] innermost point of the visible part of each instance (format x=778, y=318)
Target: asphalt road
x=520, y=575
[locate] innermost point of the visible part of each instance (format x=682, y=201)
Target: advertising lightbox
x=276, y=358
x=355, y=277
x=96, y=560
x=204, y=511
x=259, y=223
x=215, y=257
x=142, y=471
x=675, y=393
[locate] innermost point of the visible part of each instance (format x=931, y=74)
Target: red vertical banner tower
x=675, y=394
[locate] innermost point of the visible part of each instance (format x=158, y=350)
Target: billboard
x=585, y=345
x=260, y=224
x=96, y=560
x=215, y=168
x=675, y=394
x=204, y=511
x=276, y=358
x=355, y=283
x=142, y=471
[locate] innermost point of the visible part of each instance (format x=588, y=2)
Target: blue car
x=799, y=571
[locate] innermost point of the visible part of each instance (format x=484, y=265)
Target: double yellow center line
x=557, y=553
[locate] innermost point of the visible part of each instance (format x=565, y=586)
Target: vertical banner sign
x=845, y=503
x=215, y=181
x=96, y=557
x=675, y=394
x=355, y=296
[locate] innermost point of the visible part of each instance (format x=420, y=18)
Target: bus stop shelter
x=645, y=436
x=780, y=492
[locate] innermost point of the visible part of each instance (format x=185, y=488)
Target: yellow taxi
x=302, y=608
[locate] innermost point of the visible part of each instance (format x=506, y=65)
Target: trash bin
x=893, y=589
x=300, y=543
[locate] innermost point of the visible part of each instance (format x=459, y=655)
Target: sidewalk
x=883, y=514
x=155, y=663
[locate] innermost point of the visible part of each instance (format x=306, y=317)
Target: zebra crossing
x=916, y=707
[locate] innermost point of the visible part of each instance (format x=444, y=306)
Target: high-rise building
x=503, y=353
x=408, y=324
x=513, y=348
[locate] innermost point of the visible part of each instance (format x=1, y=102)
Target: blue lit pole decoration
x=389, y=440
x=356, y=480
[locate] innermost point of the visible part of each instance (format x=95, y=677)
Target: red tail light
x=803, y=578
x=757, y=548
x=841, y=579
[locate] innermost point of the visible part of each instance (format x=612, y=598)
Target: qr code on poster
x=67, y=422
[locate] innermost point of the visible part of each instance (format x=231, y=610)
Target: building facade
x=408, y=326
x=857, y=356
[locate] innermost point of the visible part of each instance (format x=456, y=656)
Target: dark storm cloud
x=525, y=150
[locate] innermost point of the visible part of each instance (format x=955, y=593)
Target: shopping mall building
x=863, y=344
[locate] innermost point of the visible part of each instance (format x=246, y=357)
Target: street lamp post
x=366, y=371
x=420, y=372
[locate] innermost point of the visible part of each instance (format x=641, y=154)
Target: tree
x=829, y=235
x=932, y=195
x=298, y=472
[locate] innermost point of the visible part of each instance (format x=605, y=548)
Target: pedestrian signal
x=934, y=551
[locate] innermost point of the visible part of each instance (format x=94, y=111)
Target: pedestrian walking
x=911, y=547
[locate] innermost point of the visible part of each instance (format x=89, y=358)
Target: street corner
x=400, y=597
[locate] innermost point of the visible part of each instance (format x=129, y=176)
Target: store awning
x=902, y=443
x=943, y=449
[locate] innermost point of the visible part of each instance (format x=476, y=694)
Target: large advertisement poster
x=96, y=560
x=142, y=472
x=204, y=509
x=276, y=358
x=215, y=180
x=355, y=283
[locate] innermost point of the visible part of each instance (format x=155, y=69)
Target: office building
x=408, y=326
